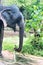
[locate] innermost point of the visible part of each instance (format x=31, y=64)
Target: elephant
x=10, y=16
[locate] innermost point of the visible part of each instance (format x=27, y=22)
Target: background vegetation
x=33, y=15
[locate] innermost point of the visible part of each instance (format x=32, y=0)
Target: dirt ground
x=15, y=58
x=10, y=33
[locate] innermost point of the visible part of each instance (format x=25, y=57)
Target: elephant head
x=5, y=14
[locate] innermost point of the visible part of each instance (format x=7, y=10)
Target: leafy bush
x=27, y=48
x=34, y=20
x=37, y=43
x=34, y=16
x=34, y=48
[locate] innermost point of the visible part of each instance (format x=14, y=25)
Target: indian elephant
x=10, y=16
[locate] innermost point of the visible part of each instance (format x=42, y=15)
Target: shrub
x=27, y=47
x=37, y=43
x=33, y=46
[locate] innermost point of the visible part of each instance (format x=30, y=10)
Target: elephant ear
x=6, y=15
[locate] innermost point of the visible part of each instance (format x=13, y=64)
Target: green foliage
x=35, y=21
x=38, y=52
x=27, y=47
x=34, y=16
x=37, y=43
x=34, y=48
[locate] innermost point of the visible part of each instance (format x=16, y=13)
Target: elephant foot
x=1, y=56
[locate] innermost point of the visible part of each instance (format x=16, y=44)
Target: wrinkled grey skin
x=11, y=15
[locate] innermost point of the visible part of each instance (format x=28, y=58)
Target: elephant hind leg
x=1, y=34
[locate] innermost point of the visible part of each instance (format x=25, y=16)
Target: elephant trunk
x=21, y=34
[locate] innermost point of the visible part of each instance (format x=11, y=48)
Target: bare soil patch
x=20, y=59
x=10, y=33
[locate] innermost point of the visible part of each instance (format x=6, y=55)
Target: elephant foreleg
x=1, y=39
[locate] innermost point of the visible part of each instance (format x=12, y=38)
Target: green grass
x=8, y=43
